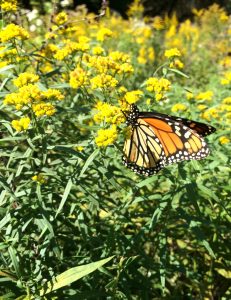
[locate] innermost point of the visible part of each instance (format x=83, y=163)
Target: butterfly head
x=132, y=116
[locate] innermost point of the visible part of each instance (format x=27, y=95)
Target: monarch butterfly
x=157, y=140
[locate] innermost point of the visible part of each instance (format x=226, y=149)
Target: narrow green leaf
x=179, y=72
x=6, y=68
x=65, y=195
x=72, y=275
x=146, y=181
x=14, y=260
x=88, y=162
x=224, y=273
x=208, y=248
x=5, y=220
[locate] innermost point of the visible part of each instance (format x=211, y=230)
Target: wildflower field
x=75, y=223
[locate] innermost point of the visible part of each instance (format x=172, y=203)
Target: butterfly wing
x=178, y=141
x=158, y=140
x=201, y=128
x=143, y=152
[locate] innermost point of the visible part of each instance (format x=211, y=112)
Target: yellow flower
x=211, y=113
x=179, y=107
x=224, y=17
x=25, y=95
x=97, y=50
x=52, y=94
x=13, y=31
x=135, y=9
x=70, y=48
x=224, y=140
x=126, y=68
x=227, y=78
x=108, y=113
x=103, y=81
x=78, y=78
x=61, y=18
x=159, y=86
x=158, y=23
x=146, y=55
x=102, y=64
x=25, y=78
x=148, y=101
x=40, y=178
x=79, y=148
x=21, y=124
x=176, y=64
x=43, y=109
x=120, y=57
x=8, y=5
x=208, y=95
x=172, y=53
x=50, y=35
x=106, y=137
x=133, y=96
x=103, y=33
x=227, y=100
x=189, y=95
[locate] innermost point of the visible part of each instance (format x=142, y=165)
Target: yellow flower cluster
x=176, y=63
x=146, y=55
x=72, y=47
x=97, y=50
x=179, y=107
x=31, y=96
x=7, y=56
x=103, y=33
x=61, y=18
x=25, y=78
x=210, y=113
x=103, y=81
x=40, y=178
x=13, y=31
x=142, y=34
x=132, y=96
x=21, y=124
x=159, y=86
x=108, y=113
x=224, y=140
x=106, y=137
x=205, y=96
x=227, y=78
x=43, y=109
x=135, y=9
x=227, y=100
x=25, y=96
x=172, y=53
x=52, y=94
x=158, y=23
x=8, y=5
x=116, y=62
x=78, y=78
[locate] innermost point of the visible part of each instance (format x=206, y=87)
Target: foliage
x=66, y=199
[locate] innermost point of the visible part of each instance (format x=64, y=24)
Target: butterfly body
x=158, y=140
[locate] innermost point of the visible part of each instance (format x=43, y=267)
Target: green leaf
x=209, y=249
x=224, y=273
x=6, y=68
x=179, y=72
x=88, y=162
x=14, y=260
x=5, y=220
x=72, y=275
x=64, y=197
